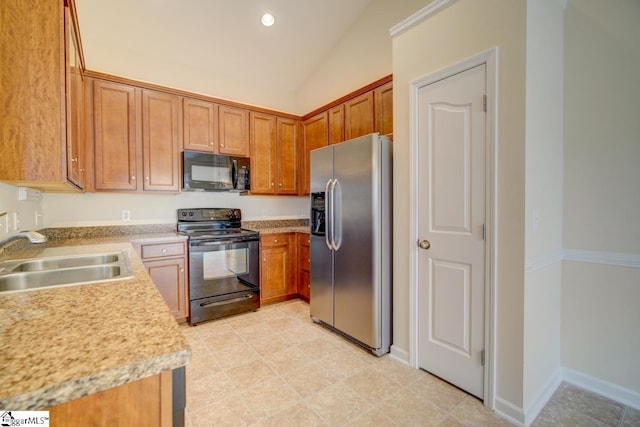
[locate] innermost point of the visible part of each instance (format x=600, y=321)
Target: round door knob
x=424, y=244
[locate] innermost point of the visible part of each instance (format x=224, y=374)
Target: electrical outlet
x=16, y=221
x=126, y=215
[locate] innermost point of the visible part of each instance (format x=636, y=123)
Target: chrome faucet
x=32, y=236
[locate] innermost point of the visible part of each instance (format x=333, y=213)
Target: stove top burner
x=212, y=224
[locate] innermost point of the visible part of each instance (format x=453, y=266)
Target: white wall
x=90, y=209
x=28, y=212
x=543, y=200
x=464, y=29
x=600, y=300
x=362, y=56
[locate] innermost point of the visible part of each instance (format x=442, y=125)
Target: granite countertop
x=62, y=343
x=278, y=226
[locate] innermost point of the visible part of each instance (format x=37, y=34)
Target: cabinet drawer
x=162, y=250
x=277, y=239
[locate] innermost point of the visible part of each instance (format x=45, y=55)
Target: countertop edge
x=100, y=381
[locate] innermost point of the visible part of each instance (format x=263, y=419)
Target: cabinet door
x=287, y=156
x=75, y=95
x=274, y=275
x=160, y=143
x=116, y=153
x=169, y=277
x=263, y=153
x=383, y=97
x=316, y=135
x=336, y=124
x=233, y=127
x=277, y=267
x=358, y=116
x=200, y=124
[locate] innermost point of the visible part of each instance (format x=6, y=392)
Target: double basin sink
x=37, y=273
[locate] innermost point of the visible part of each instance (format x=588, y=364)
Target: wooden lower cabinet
x=304, y=265
x=145, y=402
x=166, y=263
x=277, y=263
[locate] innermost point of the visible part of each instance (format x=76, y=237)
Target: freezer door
x=321, y=292
x=356, y=269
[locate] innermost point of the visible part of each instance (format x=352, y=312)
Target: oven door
x=224, y=278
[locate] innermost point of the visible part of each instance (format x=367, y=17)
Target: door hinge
x=484, y=103
x=482, y=357
x=484, y=232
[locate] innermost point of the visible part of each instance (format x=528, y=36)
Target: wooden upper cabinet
x=233, y=126
x=287, y=155
x=76, y=158
x=274, y=154
x=383, y=97
x=263, y=153
x=200, y=125
x=316, y=135
x=358, y=116
x=114, y=134
x=160, y=141
x=34, y=77
x=336, y=124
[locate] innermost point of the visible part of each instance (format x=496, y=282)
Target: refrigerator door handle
x=331, y=213
x=336, y=214
x=327, y=216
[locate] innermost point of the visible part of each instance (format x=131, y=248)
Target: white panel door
x=451, y=214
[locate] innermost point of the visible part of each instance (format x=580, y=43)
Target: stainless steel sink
x=56, y=263
x=20, y=275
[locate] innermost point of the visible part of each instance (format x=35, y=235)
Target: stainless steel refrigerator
x=351, y=240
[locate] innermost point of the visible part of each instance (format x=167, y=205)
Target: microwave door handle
x=234, y=173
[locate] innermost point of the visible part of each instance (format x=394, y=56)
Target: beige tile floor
x=275, y=367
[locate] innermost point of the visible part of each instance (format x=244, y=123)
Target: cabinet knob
x=221, y=145
x=164, y=251
x=133, y=178
x=81, y=170
x=211, y=143
x=182, y=270
x=275, y=240
x=280, y=185
x=74, y=160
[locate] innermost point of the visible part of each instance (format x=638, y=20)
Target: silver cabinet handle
x=424, y=244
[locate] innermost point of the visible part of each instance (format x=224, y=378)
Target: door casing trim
x=490, y=59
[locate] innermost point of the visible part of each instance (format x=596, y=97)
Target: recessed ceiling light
x=267, y=20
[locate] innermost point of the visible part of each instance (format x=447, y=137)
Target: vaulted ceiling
x=223, y=39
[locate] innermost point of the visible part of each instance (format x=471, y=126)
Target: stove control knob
x=183, y=213
x=190, y=213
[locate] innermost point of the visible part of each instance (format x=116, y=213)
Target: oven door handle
x=227, y=301
x=222, y=242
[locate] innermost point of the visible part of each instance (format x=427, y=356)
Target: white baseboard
x=550, y=387
x=604, y=388
x=400, y=355
x=509, y=411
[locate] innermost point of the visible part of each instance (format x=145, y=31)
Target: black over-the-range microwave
x=214, y=172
